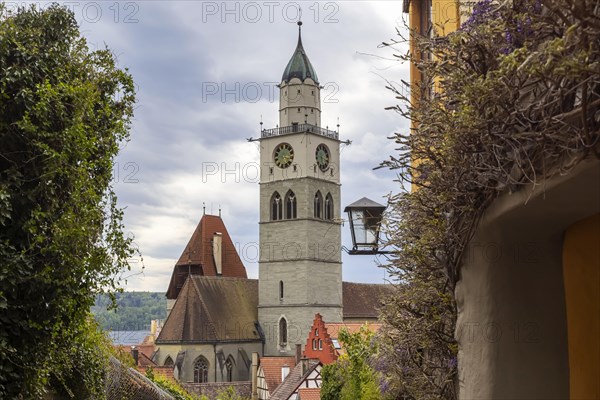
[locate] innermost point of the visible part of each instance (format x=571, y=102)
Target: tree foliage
x=64, y=110
x=134, y=310
x=351, y=377
x=516, y=101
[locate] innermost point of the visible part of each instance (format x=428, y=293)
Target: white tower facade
x=300, y=269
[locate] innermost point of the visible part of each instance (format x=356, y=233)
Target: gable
x=198, y=257
x=212, y=309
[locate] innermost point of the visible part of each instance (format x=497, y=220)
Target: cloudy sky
x=206, y=75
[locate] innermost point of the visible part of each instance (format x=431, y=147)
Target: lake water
x=128, y=338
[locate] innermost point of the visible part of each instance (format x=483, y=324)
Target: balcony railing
x=299, y=128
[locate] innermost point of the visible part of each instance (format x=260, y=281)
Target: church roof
x=213, y=309
x=299, y=65
x=210, y=309
x=197, y=257
x=362, y=300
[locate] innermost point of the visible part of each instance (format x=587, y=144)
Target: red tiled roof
x=144, y=360
x=293, y=380
x=197, y=257
x=272, y=369
x=309, y=393
x=334, y=328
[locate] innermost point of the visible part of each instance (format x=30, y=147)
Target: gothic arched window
x=229, y=367
x=201, y=370
x=318, y=204
x=328, y=207
x=282, y=332
x=168, y=361
x=280, y=290
x=290, y=205
x=276, y=207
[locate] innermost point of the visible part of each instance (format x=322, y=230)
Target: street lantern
x=365, y=219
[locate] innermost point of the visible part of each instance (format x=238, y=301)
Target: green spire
x=299, y=65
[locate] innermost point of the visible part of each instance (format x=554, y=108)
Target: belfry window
x=318, y=205
x=328, y=207
x=276, y=207
x=201, y=370
x=290, y=205
x=282, y=332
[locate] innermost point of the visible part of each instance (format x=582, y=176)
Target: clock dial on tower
x=284, y=155
x=322, y=156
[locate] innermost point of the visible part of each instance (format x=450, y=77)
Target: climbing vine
x=510, y=99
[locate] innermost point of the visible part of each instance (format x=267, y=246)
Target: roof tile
x=272, y=369
x=212, y=309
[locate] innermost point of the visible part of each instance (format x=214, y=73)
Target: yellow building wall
x=445, y=17
x=581, y=269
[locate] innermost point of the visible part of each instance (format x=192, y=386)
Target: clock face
x=284, y=155
x=322, y=157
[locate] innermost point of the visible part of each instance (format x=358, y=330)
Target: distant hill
x=134, y=313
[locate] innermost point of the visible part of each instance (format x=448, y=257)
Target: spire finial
x=203, y=208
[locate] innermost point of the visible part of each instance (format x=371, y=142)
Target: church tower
x=300, y=269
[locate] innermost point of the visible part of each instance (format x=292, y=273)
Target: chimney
x=217, y=252
x=285, y=370
x=298, y=353
x=304, y=362
x=254, y=376
x=135, y=354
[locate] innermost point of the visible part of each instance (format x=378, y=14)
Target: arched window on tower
x=168, y=361
x=290, y=205
x=276, y=207
x=280, y=290
x=318, y=205
x=328, y=207
x=201, y=370
x=282, y=332
x=229, y=367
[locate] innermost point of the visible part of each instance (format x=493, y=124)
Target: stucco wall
x=511, y=325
